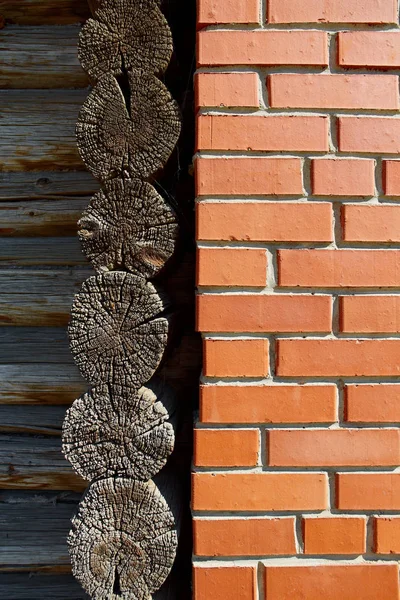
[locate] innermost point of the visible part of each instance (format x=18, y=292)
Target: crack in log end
x=117, y=584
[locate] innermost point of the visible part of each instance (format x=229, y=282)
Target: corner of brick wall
x=296, y=482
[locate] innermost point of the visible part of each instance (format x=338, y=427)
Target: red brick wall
x=296, y=484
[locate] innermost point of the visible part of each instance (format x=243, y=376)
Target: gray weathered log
x=128, y=226
x=33, y=420
x=41, y=218
x=32, y=251
x=123, y=542
x=38, y=586
x=125, y=35
x=118, y=329
x=44, y=12
x=47, y=185
x=119, y=431
x=136, y=140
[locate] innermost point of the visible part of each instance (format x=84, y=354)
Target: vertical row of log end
x=120, y=434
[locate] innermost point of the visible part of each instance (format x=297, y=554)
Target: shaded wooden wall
x=43, y=189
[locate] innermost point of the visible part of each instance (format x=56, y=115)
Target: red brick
x=333, y=582
x=369, y=134
x=339, y=268
x=233, y=267
x=371, y=223
x=236, y=358
x=248, y=176
x=387, y=535
x=262, y=47
x=368, y=491
x=369, y=49
x=370, y=314
x=338, y=358
x=218, y=582
x=259, y=491
x=391, y=177
x=244, y=537
x=338, y=535
x=227, y=89
x=334, y=91
x=211, y=12
x=265, y=221
x=343, y=177
x=372, y=403
x=273, y=133
x=333, y=447
x=269, y=404
x=332, y=11
x=226, y=447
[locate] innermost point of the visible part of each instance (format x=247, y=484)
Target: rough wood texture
x=40, y=57
x=42, y=12
x=47, y=218
x=23, y=252
x=125, y=35
x=128, y=226
x=46, y=185
x=118, y=329
x=119, y=431
x=134, y=138
x=31, y=586
x=33, y=420
x=123, y=542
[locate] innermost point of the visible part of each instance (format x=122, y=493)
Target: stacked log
x=120, y=433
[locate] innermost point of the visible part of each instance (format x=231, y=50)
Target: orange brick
x=369, y=134
x=226, y=447
x=227, y=89
x=211, y=12
x=218, y=582
x=236, y=358
x=259, y=491
x=371, y=223
x=368, y=491
x=248, y=176
x=334, y=91
x=244, y=537
x=391, y=177
x=269, y=404
x=263, y=313
x=370, y=314
x=369, y=49
x=273, y=133
x=387, y=535
x=339, y=268
x=372, y=403
x=343, y=177
x=264, y=221
x=333, y=447
x=338, y=535
x=338, y=358
x=332, y=11
x=262, y=48
x=233, y=267
x=333, y=582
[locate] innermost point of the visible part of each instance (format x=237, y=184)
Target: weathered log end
x=123, y=541
x=119, y=431
x=128, y=226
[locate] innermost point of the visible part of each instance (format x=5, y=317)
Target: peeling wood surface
x=44, y=12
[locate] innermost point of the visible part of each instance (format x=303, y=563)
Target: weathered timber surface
x=44, y=12
x=36, y=586
x=20, y=345
x=35, y=218
x=125, y=35
x=120, y=431
x=37, y=129
x=33, y=420
x=119, y=329
x=123, y=542
x=32, y=251
x=46, y=185
x=115, y=138
x=129, y=226
x=40, y=57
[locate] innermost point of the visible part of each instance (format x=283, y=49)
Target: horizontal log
x=44, y=218
x=40, y=57
x=40, y=12
x=33, y=420
x=22, y=252
x=20, y=345
x=46, y=185
x=29, y=586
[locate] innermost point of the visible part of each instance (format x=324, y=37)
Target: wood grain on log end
x=118, y=329
x=123, y=541
x=132, y=136
x=125, y=35
x=128, y=225
x=118, y=431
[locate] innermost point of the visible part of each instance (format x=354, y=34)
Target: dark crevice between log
x=117, y=584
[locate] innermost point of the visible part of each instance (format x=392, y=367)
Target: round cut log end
x=118, y=330
x=123, y=541
x=128, y=226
